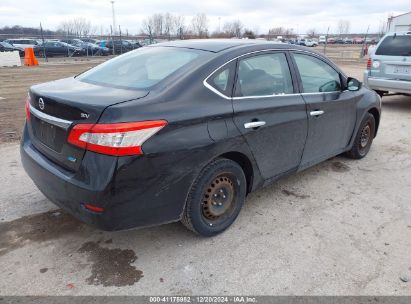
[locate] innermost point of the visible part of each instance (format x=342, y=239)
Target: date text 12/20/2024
x=203, y=299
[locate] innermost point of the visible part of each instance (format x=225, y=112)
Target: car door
x=268, y=113
x=62, y=49
x=331, y=109
x=54, y=48
x=48, y=48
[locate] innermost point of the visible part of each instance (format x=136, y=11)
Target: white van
x=23, y=43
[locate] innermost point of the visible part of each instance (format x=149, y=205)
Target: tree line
x=170, y=26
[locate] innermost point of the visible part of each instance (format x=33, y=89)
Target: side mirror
x=353, y=84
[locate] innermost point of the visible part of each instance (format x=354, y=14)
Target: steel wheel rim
x=365, y=136
x=219, y=198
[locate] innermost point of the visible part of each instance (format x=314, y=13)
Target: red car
x=358, y=40
x=331, y=41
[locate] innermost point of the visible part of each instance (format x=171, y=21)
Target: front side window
x=142, y=68
x=263, y=75
x=316, y=75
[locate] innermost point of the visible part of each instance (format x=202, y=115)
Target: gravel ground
x=340, y=228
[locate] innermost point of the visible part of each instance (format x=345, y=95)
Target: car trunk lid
x=57, y=106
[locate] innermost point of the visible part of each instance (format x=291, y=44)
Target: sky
x=257, y=15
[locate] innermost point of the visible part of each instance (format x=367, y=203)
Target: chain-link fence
x=119, y=43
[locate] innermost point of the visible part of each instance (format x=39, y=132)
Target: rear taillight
x=369, y=63
x=27, y=107
x=117, y=139
x=94, y=208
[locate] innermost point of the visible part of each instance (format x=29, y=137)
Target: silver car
x=389, y=67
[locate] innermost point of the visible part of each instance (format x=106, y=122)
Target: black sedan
x=183, y=131
x=58, y=48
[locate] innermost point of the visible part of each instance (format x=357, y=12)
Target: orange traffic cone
x=29, y=57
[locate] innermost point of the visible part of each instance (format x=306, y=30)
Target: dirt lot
x=340, y=228
x=14, y=84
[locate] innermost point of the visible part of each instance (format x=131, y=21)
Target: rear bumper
x=134, y=191
x=384, y=84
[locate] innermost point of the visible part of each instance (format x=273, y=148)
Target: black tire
x=363, y=138
x=215, y=198
x=381, y=93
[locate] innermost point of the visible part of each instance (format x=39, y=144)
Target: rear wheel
x=364, y=138
x=216, y=198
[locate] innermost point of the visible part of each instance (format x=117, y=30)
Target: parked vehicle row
x=303, y=42
x=346, y=40
x=71, y=46
x=88, y=48
x=331, y=40
x=120, y=46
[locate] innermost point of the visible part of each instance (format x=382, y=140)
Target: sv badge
x=84, y=115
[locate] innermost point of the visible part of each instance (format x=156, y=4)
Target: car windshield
x=140, y=69
x=395, y=46
x=5, y=44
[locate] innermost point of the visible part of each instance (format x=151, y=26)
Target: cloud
x=262, y=14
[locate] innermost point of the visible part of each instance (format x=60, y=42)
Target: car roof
x=21, y=39
x=399, y=33
x=217, y=45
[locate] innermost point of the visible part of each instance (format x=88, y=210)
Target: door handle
x=254, y=124
x=316, y=113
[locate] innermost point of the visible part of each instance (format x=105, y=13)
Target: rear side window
x=142, y=68
x=316, y=75
x=395, y=46
x=220, y=80
x=263, y=75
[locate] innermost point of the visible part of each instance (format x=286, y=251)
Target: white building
x=399, y=23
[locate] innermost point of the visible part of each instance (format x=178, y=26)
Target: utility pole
x=42, y=40
x=219, y=25
x=112, y=40
x=121, y=42
x=365, y=42
x=114, y=16
x=326, y=41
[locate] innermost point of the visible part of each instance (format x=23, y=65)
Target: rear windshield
x=395, y=46
x=140, y=69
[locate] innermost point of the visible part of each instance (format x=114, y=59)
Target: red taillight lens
x=117, y=139
x=369, y=63
x=27, y=107
x=94, y=208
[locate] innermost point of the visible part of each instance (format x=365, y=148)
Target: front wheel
x=364, y=138
x=215, y=198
